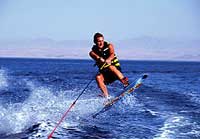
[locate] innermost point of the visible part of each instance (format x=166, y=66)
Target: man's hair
x=97, y=35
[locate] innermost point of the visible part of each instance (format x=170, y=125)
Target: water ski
x=129, y=89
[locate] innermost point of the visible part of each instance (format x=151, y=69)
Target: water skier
x=109, y=67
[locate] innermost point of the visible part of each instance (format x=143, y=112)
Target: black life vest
x=105, y=53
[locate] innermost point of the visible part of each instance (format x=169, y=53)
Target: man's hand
x=108, y=61
x=101, y=60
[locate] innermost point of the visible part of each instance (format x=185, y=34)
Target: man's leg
x=101, y=84
x=120, y=76
x=116, y=72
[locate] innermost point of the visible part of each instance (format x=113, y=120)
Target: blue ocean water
x=35, y=93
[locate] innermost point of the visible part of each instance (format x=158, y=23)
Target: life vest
x=105, y=53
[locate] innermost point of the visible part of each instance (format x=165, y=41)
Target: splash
x=3, y=79
x=43, y=107
x=177, y=126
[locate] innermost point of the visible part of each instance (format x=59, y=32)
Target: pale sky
x=117, y=19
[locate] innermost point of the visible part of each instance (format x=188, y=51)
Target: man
x=109, y=66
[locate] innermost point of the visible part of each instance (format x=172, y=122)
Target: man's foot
x=125, y=82
x=108, y=99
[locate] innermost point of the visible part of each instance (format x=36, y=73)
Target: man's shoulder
x=110, y=45
x=94, y=48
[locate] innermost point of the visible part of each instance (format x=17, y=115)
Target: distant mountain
x=159, y=49
x=45, y=48
x=142, y=48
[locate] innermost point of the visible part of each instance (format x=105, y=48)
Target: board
x=128, y=90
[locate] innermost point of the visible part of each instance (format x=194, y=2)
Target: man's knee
x=99, y=77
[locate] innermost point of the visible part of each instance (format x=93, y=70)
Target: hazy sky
x=117, y=19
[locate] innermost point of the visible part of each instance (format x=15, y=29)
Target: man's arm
x=96, y=57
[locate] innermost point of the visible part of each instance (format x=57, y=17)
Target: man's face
x=100, y=42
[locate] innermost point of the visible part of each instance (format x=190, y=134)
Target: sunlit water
x=35, y=93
